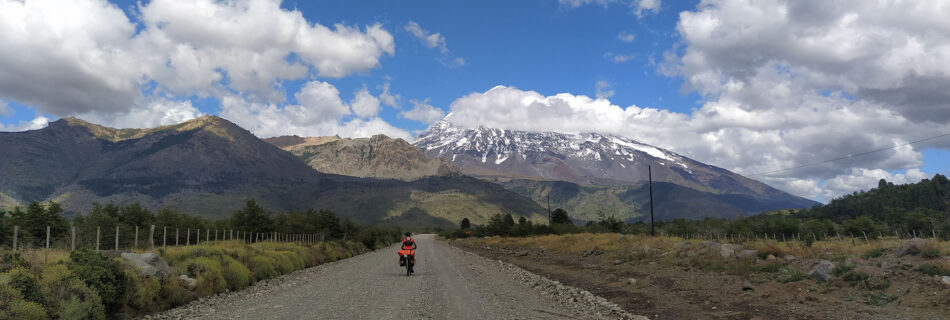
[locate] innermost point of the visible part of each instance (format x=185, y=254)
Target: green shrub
x=22, y=280
x=295, y=259
x=262, y=267
x=8, y=261
x=236, y=274
x=873, y=253
x=930, y=251
x=173, y=294
x=855, y=277
x=144, y=290
x=792, y=275
x=283, y=264
x=12, y=305
x=103, y=275
x=933, y=270
x=209, y=274
x=842, y=269
x=67, y=297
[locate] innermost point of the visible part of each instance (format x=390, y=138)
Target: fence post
x=97, y=238
x=176, y=236
x=188, y=236
x=151, y=238
x=215, y=234
x=197, y=236
x=72, y=247
x=16, y=230
x=164, y=236
x=231, y=235
x=135, y=245
x=47, y=245
x=117, y=237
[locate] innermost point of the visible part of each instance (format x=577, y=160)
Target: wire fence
x=134, y=238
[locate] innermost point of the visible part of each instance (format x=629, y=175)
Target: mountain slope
x=208, y=166
x=376, y=157
x=602, y=162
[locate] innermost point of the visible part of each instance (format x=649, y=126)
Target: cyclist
x=408, y=250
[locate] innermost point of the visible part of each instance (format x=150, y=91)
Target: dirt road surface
x=448, y=284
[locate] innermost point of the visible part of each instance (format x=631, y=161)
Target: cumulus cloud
x=158, y=112
x=423, y=112
x=36, y=123
x=320, y=112
x=603, y=90
x=99, y=59
x=642, y=7
x=388, y=98
x=365, y=105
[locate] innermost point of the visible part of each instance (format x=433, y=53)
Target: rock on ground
x=822, y=271
x=148, y=264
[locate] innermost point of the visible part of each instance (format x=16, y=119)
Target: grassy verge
x=88, y=285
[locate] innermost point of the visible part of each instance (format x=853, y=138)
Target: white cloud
x=619, y=58
x=158, y=112
x=642, y=7
x=864, y=179
x=37, y=123
x=5, y=109
x=430, y=40
x=99, y=59
x=626, y=37
x=320, y=112
x=423, y=112
x=364, y=105
x=388, y=98
x=603, y=90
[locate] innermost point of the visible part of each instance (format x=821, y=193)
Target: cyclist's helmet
x=408, y=234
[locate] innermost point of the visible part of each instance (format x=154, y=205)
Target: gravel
x=449, y=283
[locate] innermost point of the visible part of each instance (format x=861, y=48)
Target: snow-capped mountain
x=590, y=159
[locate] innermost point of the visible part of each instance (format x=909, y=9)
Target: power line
x=850, y=156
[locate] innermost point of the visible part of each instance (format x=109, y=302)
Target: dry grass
x=823, y=249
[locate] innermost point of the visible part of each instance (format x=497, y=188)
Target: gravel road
x=448, y=284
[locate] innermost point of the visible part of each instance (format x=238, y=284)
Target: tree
x=559, y=216
x=134, y=215
x=509, y=220
x=252, y=217
x=522, y=221
x=465, y=224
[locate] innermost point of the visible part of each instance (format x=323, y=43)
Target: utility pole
x=549, y=209
x=650, y=177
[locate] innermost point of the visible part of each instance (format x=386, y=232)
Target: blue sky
x=748, y=87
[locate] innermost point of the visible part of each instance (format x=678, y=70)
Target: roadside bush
x=173, y=294
x=930, y=250
x=25, y=282
x=144, y=290
x=283, y=264
x=13, y=306
x=209, y=274
x=236, y=274
x=295, y=260
x=67, y=297
x=101, y=274
x=262, y=267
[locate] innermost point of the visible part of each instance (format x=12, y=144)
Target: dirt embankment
x=668, y=278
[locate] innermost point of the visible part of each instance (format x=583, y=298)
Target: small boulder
x=770, y=258
x=747, y=254
x=746, y=285
x=188, y=282
x=945, y=280
x=729, y=250
x=617, y=261
x=822, y=271
x=149, y=264
x=789, y=258
x=632, y=281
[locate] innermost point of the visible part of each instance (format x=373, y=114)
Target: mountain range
x=209, y=166
x=593, y=174
x=377, y=157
